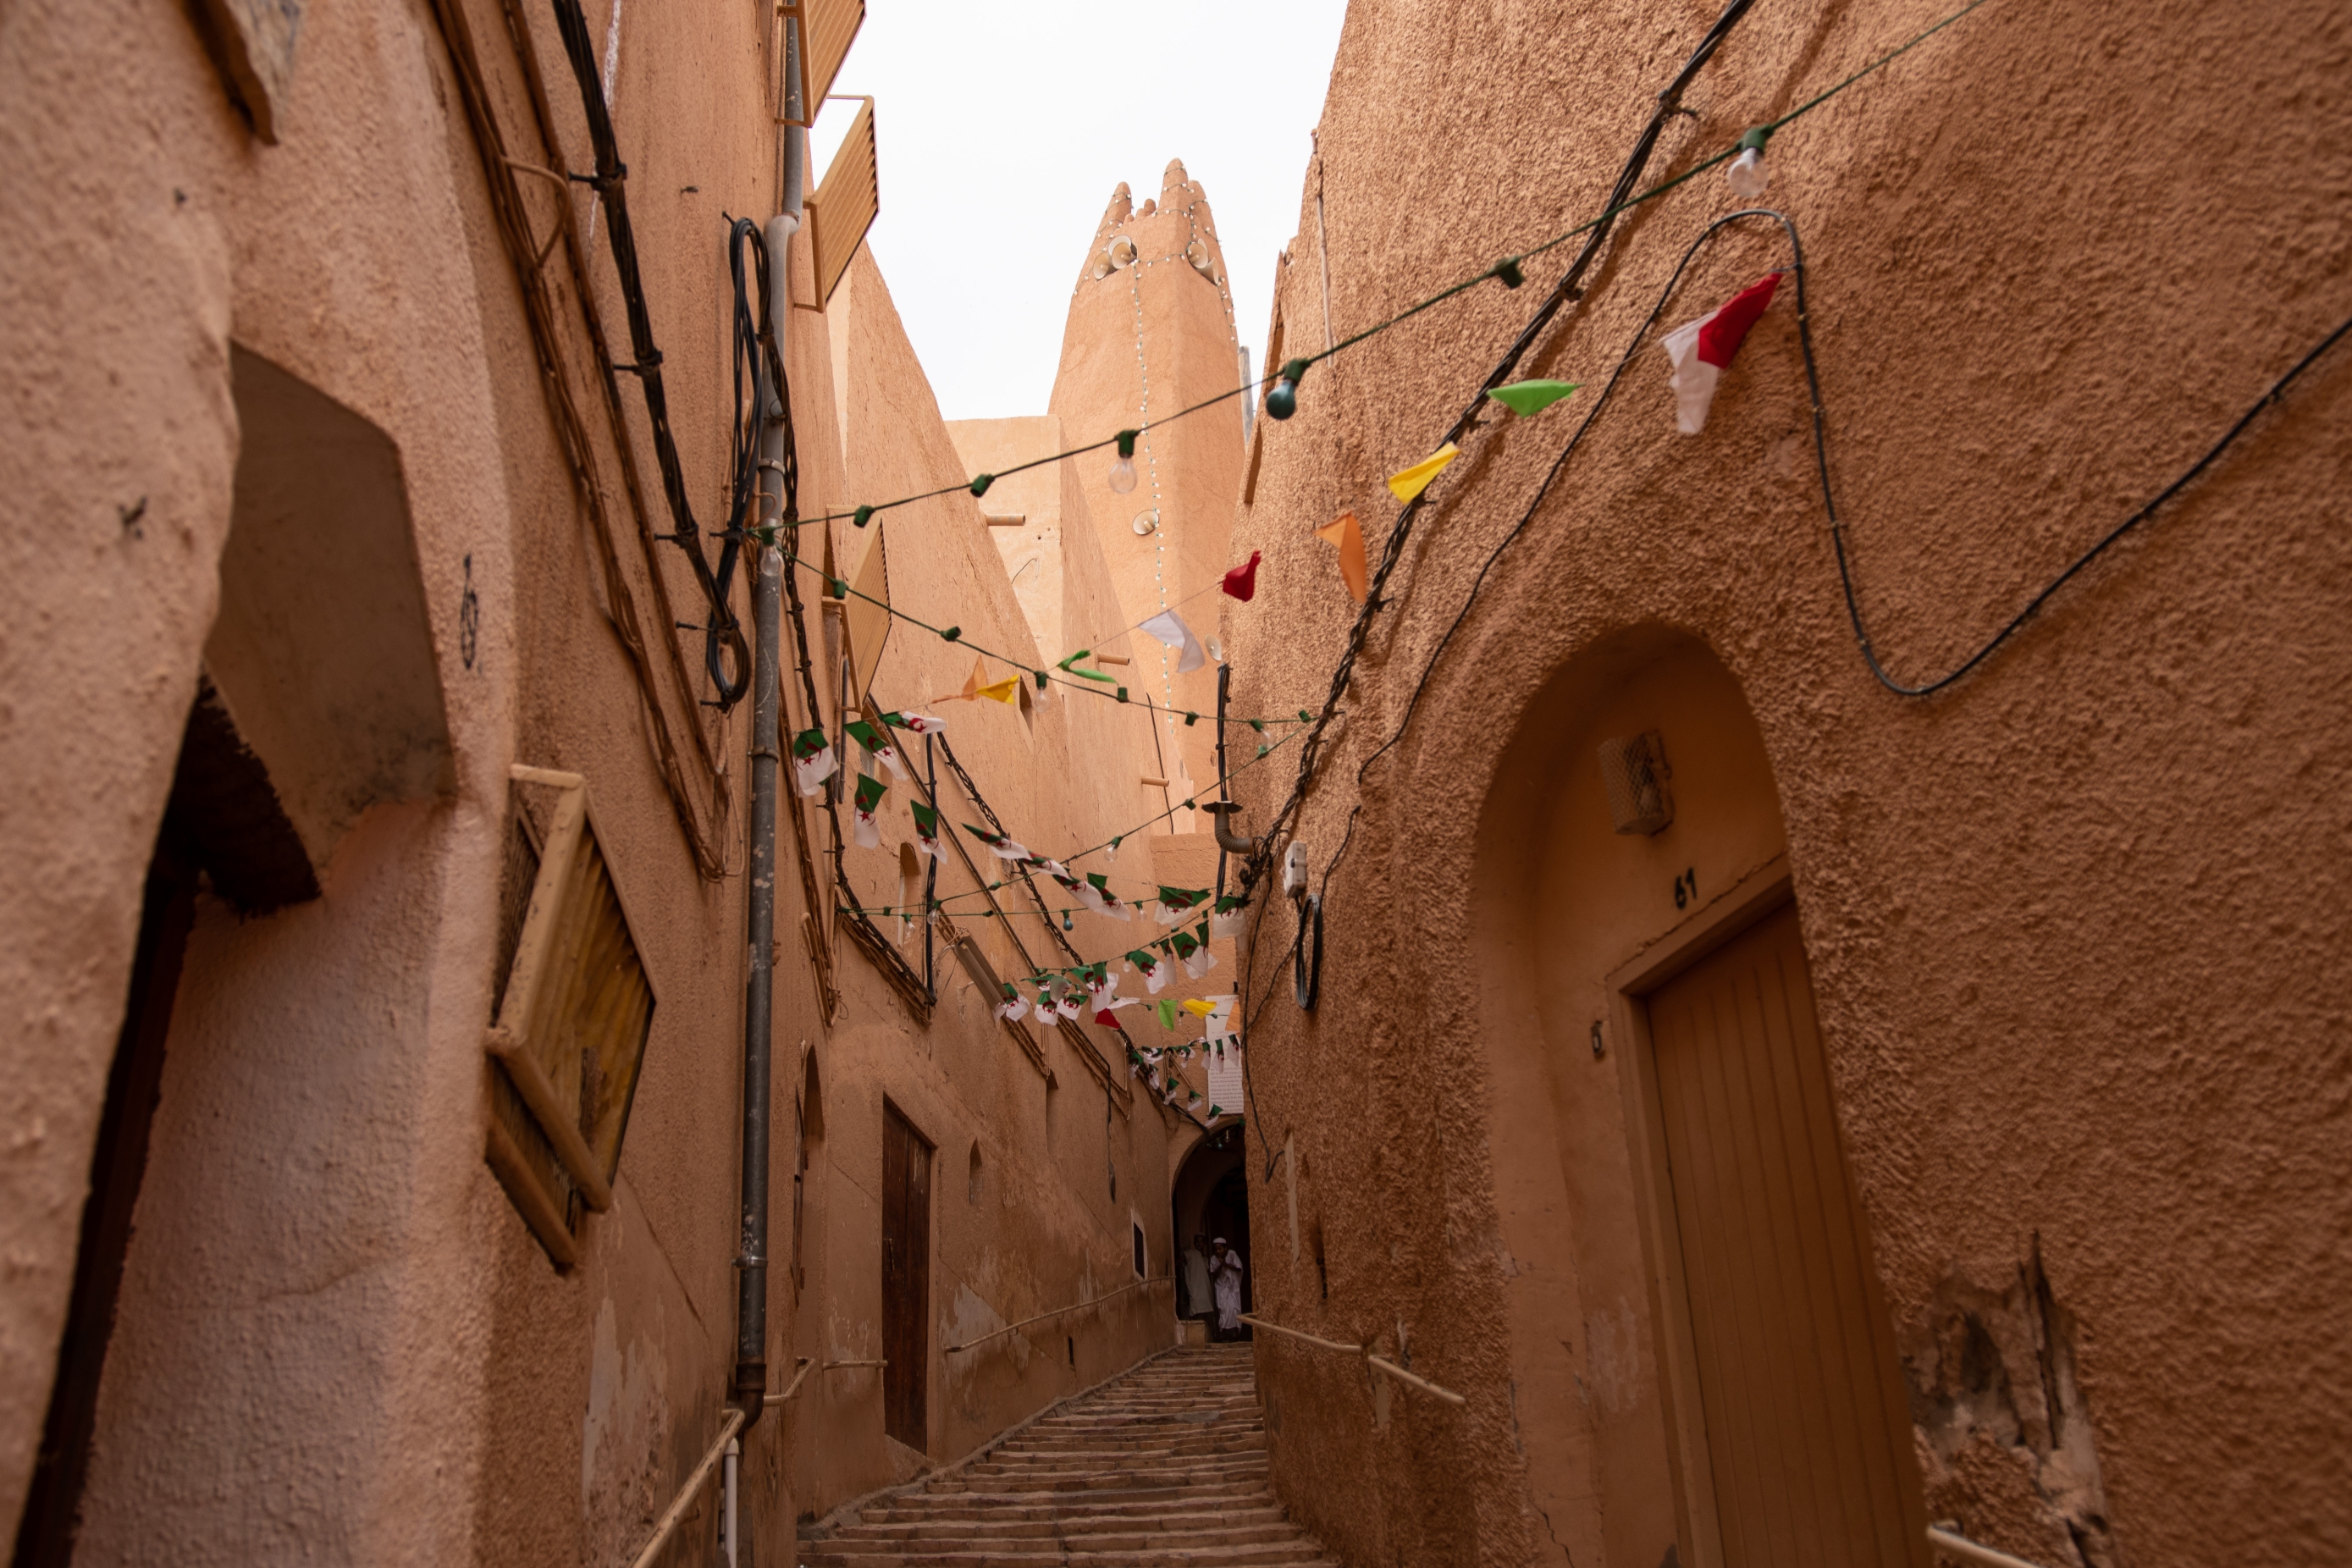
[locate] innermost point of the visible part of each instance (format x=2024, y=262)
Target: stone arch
x=1576, y=895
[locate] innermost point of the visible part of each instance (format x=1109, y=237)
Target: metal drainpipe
x=750, y=1384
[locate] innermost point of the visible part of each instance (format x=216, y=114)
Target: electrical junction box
x=1293, y=870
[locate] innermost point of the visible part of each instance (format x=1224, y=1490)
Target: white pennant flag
x=1170, y=629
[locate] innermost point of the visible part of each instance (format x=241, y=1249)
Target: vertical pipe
x=750, y=1384
x=930, y=871
x=759, y=990
x=727, y=1515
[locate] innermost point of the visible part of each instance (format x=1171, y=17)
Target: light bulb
x=1122, y=468
x=1283, y=401
x=1748, y=174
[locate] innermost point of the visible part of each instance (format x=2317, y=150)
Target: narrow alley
x=1515, y=784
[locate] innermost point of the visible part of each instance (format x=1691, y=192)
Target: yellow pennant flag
x=1415, y=480
x=1199, y=1008
x=1000, y=690
x=1342, y=532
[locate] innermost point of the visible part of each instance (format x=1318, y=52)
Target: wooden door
x=906, y=1276
x=1807, y=1430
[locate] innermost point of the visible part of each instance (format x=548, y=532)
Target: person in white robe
x=1225, y=1270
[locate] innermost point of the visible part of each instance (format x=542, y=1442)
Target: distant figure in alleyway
x=1226, y=1269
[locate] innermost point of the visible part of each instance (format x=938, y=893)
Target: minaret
x=1150, y=332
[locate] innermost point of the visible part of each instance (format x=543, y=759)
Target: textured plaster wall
x=2075, y=927
x=336, y=1339
x=1041, y=1229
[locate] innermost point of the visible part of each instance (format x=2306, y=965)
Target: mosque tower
x=1150, y=332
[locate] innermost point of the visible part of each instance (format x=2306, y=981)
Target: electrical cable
x=1622, y=200
x=839, y=588
x=724, y=640
x=1568, y=286
x=998, y=827
x=1798, y=270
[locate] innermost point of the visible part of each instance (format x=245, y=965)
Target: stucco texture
x=2075, y=927
x=336, y=1341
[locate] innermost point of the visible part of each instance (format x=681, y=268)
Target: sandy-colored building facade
x=1896, y=1109
x=332, y=501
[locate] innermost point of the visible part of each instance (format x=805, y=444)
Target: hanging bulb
x=1283, y=401
x=1748, y=174
x=1122, y=468
x=1065, y=922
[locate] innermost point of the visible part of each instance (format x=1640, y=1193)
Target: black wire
x=608, y=181
x=1568, y=287
x=2033, y=607
x=1820, y=452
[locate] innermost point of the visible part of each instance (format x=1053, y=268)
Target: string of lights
x=1281, y=386
x=839, y=588
x=942, y=901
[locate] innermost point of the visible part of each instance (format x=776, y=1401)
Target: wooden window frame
x=513, y=1039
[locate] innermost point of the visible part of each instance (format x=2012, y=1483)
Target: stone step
x=1143, y=1535
x=1111, y=1506
x=1165, y=1469
x=978, y=1523
x=1301, y=1549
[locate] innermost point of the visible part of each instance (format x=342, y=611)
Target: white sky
x=1002, y=129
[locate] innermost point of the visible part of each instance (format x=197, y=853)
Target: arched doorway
x=1697, y=1336
x=1208, y=1199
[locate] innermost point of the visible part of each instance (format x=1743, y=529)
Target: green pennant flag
x=1526, y=397
x=1166, y=1008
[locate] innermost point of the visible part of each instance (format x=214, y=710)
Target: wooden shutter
x=906, y=1278
x=826, y=28
x=844, y=206
x=1807, y=1428
x=573, y=1015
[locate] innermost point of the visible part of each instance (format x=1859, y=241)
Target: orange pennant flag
x=1342, y=532
x=970, y=691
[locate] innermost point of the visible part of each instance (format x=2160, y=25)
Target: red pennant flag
x=1242, y=581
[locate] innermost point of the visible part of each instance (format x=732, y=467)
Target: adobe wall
x=329, y=1303
x=2072, y=925
x=1065, y=1165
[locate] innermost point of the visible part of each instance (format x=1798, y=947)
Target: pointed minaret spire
x=1175, y=175
x=1122, y=208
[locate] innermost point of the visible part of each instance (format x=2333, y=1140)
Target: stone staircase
x=1163, y=1468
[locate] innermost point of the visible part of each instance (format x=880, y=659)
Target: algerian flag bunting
x=1176, y=902
x=1154, y=972
x=812, y=761
x=868, y=828
x=878, y=745
x=926, y=829
x=916, y=723
x=1004, y=847
x=1230, y=919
